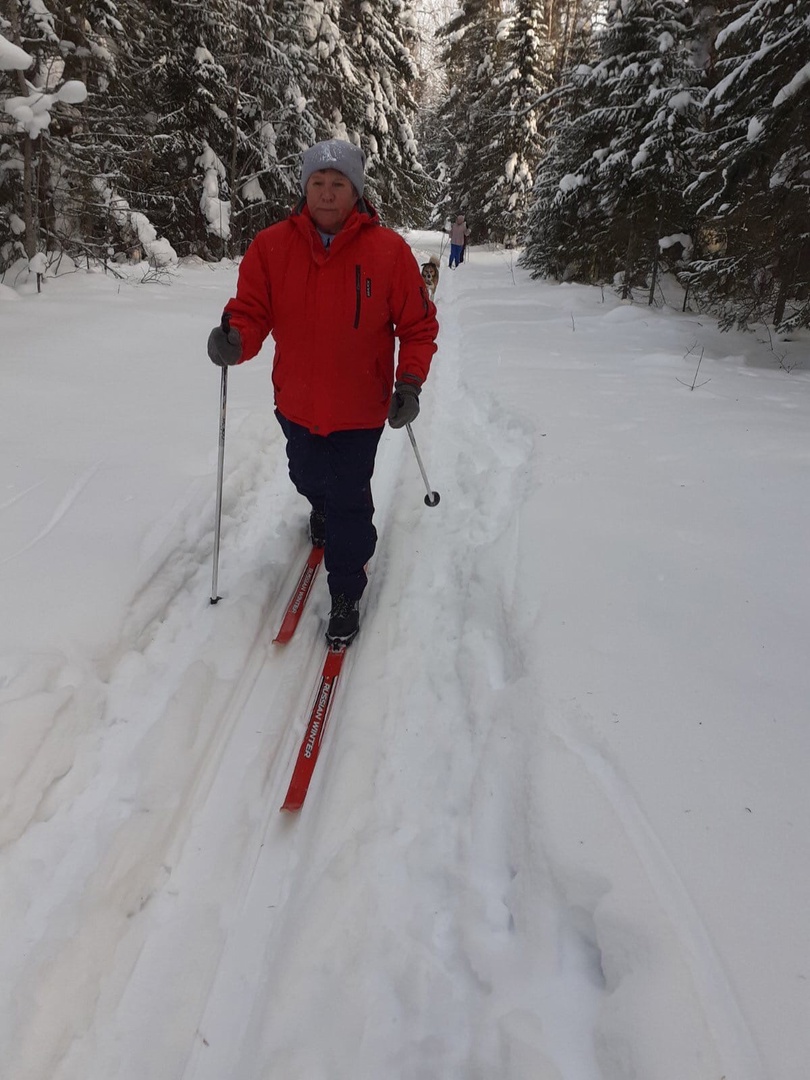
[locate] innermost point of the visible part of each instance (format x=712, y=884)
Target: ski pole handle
x=223, y=401
x=432, y=497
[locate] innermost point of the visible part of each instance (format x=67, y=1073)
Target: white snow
x=72, y=92
x=666, y=242
x=734, y=27
x=570, y=182
x=32, y=112
x=717, y=93
x=796, y=84
x=756, y=126
x=681, y=101
x=157, y=249
x=251, y=191
x=560, y=827
x=39, y=263
x=216, y=211
x=12, y=57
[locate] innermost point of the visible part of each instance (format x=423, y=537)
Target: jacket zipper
x=357, y=276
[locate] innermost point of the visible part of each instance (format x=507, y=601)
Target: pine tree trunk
x=28, y=197
x=629, y=266
x=234, y=241
x=28, y=146
x=781, y=303
x=654, y=274
x=572, y=19
x=785, y=285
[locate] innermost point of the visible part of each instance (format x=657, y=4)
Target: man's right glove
x=225, y=344
x=404, y=404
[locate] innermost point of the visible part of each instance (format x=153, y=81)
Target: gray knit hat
x=335, y=154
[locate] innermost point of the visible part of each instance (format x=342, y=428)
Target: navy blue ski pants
x=334, y=473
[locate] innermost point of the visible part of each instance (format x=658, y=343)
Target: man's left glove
x=225, y=344
x=404, y=404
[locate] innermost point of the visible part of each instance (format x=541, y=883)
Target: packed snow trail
x=497, y=871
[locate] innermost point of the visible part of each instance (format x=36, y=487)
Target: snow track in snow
x=123, y=801
x=63, y=508
x=478, y=885
x=704, y=984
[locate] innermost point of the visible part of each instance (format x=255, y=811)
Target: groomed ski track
x=426, y=914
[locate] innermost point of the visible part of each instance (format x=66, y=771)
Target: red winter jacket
x=334, y=315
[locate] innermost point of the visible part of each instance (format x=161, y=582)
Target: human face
x=330, y=197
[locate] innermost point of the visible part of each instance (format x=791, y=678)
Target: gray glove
x=404, y=404
x=225, y=344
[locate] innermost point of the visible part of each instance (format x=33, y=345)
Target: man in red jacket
x=335, y=289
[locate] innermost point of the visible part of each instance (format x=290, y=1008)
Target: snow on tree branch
x=217, y=211
x=32, y=112
x=12, y=57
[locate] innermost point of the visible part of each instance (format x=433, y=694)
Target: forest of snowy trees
x=195, y=117
x=611, y=140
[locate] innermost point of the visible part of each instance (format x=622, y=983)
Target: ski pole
x=432, y=497
x=223, y=400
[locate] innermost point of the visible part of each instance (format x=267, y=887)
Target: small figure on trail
x=335, y=289
x=459, y=231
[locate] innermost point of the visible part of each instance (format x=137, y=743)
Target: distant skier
x=334, y=287
x=459, y=232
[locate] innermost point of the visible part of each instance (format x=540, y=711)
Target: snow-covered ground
x=560, y=827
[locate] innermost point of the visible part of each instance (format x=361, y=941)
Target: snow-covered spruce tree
x=430, y=94
x=334, y=85
x=17, y=231
x=215, y=90
x=29, y=95
x=381, y=37
x=296, y=119
x=269, y=119
x=755, y=168
x=557, y=243
x=431, y=140
x=81, y=145
x=441, y=128
x=469, y=59
x=74, y=120
x=611, y=186
x=194, y=104
x=361, y=76
x=514, y=114
x=191, y=101
x=647, y=169
x=104, y=138
x=489, y=61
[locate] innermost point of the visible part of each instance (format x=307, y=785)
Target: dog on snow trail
x=430, y=275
